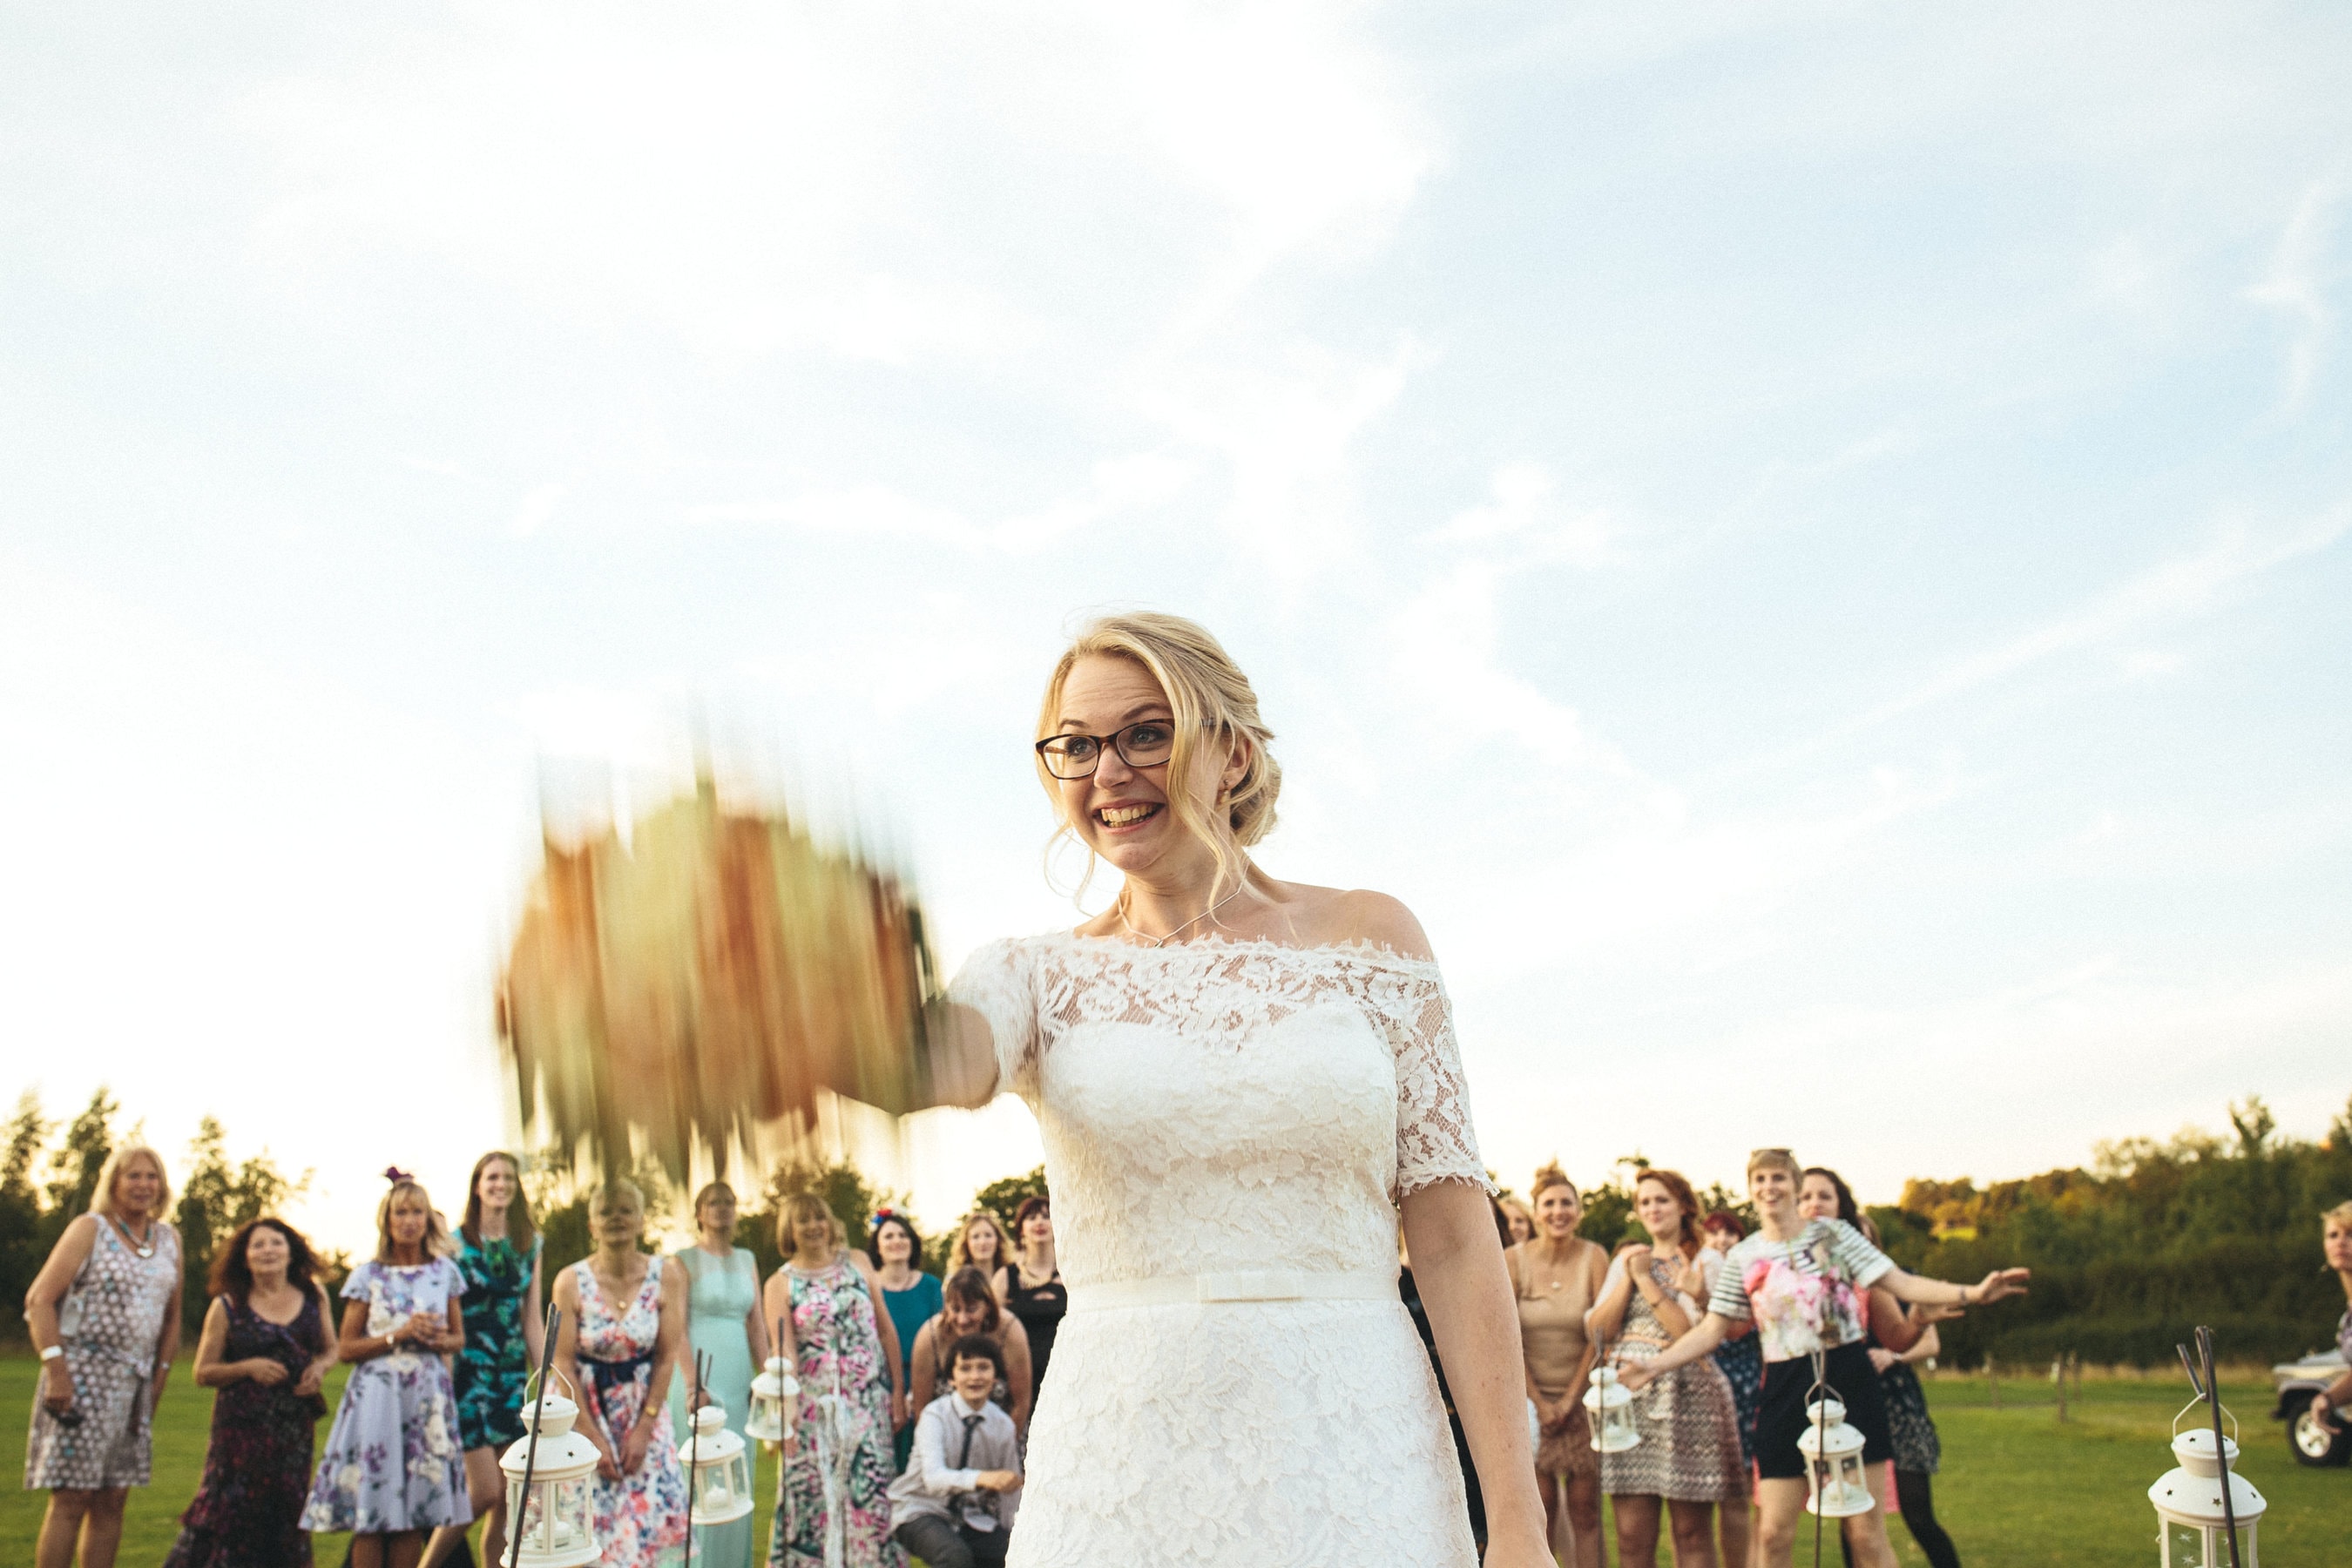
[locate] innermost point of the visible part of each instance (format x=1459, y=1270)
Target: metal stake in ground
x=530, y=1451
x=1813, y=1461
x=693, y=1452
x=2213, y=1400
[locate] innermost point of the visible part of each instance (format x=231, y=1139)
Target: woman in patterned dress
x=723, y=1322
x=393, y=1471
x=1802, y=1282
x=265, y=1347
x=833, y=1506
x=104, y=1313
x=623, y=1335
x=1689, y=1451
x=498, y=1253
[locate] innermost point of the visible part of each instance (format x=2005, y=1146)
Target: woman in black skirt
x=1804, y=1283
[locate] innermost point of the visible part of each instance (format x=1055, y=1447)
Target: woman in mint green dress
x=723, y=1324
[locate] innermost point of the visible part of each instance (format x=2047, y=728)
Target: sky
x=1808, y=542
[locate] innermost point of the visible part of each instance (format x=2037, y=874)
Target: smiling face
x=267, y=1253
x=1558, y=1211
x=812, y=1236
x=979, y=1244
x=1818, y=1198
x=495, y=1186
x=137, y=1186
x=965, y=1317
x=1773, y=1188
x=891, y=1240
x=1119, y=811
x=1661, y=1213
x=1037, y=1230
x=975, y=1378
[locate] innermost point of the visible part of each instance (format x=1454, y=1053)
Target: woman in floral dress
x=497, y=1252
x=393, y=1471
x=265, y=1347
x=621, y=1340
x=832, y=1502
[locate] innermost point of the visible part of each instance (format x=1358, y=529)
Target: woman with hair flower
x=394, y=1469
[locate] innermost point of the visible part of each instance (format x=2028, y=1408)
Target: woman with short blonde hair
x=1555, y=1279
x=2329, y=1414
x=104, y=1313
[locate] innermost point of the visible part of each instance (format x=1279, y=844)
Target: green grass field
x=2018, y=1488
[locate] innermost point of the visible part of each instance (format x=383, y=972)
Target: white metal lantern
x=1610, y=1405
x=1833, y=1468
x=2193, y=1532
x=773, y=1392
x=718, y=1469
x=555, y=1525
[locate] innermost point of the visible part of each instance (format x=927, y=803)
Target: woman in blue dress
x=498, y=1253
x=913, y=1298
x=723, y=1323
x=392, y=1470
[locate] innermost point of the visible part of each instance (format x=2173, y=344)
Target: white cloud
x=2298, y=284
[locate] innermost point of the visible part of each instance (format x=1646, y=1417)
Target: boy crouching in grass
x=953, y=1507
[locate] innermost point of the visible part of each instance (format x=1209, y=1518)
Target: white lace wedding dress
x=1227, y=1129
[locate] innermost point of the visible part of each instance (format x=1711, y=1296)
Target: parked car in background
x=2298, y=1382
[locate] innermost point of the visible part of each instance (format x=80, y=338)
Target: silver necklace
x=1179, y=931
x=146, y=1249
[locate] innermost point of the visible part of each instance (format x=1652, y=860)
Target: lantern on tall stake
x=2206, y=1512
x=717, y=1462
x=550, y=1501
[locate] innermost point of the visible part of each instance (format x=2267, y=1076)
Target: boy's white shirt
x=928, y=1473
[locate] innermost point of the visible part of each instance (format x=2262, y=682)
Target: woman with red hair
x=1689, y=1452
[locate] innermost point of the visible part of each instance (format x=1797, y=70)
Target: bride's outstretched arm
x=1457, y=1264
x=962, y=1055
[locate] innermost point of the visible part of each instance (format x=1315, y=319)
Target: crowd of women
x=442, y=1330
x=1713, y=1327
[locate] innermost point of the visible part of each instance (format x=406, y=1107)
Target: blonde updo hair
x=1548, y=1174
x=2341, y=1215
x=1206, y=690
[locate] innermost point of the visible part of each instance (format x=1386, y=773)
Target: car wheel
x=2314, y=1444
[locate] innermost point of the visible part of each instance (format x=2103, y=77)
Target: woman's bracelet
x=53, y=1352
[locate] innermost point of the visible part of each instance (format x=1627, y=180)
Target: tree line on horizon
x=2128, y=1253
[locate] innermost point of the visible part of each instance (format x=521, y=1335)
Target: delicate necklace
x=144, y=1249
x=1172, y=936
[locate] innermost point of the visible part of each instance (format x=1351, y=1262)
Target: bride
x=1241, y=1084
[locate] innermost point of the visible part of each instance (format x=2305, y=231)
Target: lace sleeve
x=1435, y=1142
x=996, y=983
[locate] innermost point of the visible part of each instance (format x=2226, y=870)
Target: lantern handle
x=2226, y=1411
x=540, y=1379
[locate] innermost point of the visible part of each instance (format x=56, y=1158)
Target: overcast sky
x=1808, y=542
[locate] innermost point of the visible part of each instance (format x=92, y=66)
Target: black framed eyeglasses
x=1146, y=743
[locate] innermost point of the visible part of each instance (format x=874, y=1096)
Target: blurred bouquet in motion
x=702, y=980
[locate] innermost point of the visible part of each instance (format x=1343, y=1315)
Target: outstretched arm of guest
x=1709, y=1331
x=962, y=1051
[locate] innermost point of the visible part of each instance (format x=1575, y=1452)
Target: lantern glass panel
x=2184, y=1546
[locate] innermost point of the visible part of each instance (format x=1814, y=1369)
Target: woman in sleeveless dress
x=725, y=1326
x=619, y=1343
x=1688, y=1458
x=913, y=1298
x=1240, y=1083
x=499, y=1256
x=265, y=1348
x=1030, y=1286
x=833, y=1504
x=104, y=1315
x=393, y=1471
x=1555, y=1278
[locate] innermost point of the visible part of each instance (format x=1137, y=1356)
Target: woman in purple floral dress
x=392, y=1470
x=833, y=1506
x=623, y=1333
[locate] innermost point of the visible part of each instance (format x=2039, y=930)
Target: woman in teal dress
x=913, y=1297
x=498, y=1253
x=723, y=1323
